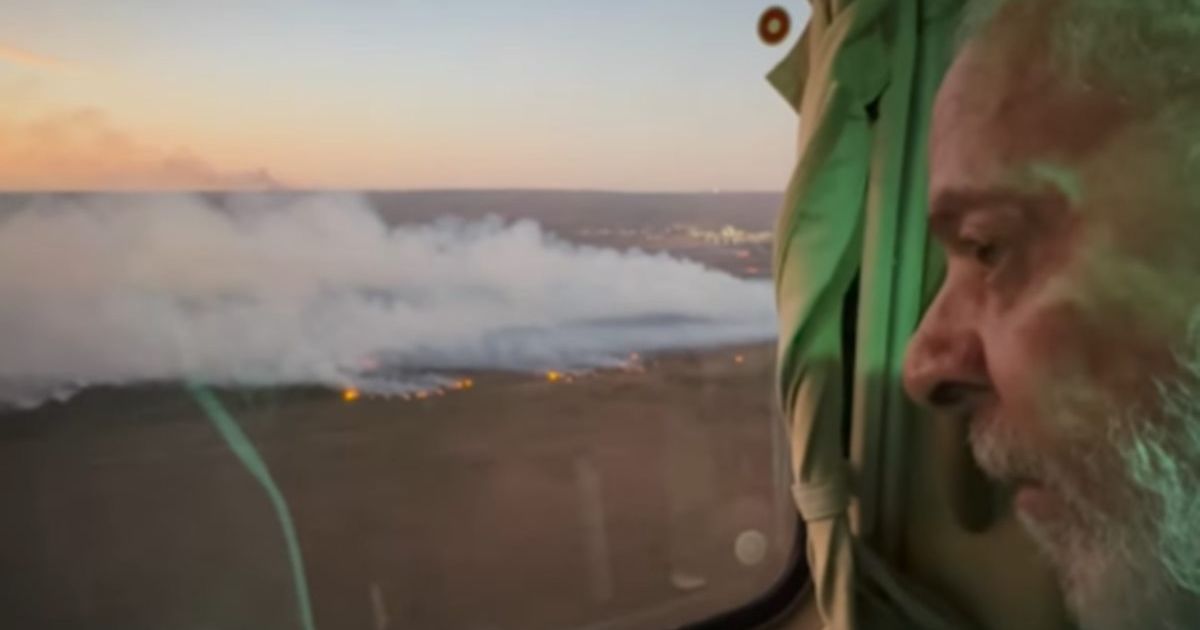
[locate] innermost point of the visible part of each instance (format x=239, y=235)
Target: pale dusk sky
x=396, y=94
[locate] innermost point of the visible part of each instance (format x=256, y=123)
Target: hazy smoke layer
x=104, y=289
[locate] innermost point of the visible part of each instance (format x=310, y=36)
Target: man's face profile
x=1067, y=330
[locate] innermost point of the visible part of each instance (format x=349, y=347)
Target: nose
x=945, y=367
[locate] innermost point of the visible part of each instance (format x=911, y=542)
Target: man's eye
x=986, y=253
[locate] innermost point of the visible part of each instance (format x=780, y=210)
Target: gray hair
x=1147, y=51
x=1144, y=53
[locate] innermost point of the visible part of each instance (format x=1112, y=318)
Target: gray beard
x=1138, y=567
x=1162, y=465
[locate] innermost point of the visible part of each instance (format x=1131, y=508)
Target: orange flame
x=553, y=376
x=350, y=394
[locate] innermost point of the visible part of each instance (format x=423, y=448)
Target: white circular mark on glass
x=750, y=547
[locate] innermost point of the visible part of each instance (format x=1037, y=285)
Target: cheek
x=1065, y=377
x=1042, y=361
x=1078, y=354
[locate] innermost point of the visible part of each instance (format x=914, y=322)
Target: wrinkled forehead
x=1006, y=125
x=1002, y=108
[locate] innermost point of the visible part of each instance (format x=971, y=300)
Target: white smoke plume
x=317, y=289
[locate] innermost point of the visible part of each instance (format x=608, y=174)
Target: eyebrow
x=949, y=207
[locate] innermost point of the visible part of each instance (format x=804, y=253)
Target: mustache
x=1003, y=455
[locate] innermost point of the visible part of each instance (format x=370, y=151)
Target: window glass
x=388, y=315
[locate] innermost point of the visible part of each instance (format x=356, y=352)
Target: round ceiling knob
x=774, y=25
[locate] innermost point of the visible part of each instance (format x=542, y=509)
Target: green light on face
x=1059, y=176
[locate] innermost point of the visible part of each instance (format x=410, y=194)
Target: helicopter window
x=388, y=315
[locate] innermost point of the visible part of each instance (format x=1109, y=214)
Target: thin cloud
x=34, y=61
